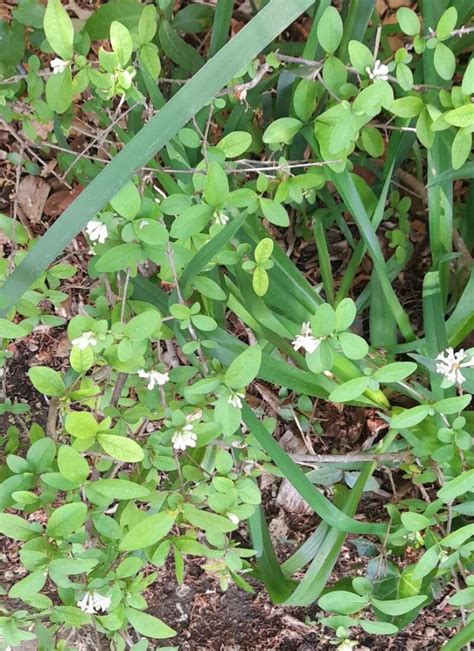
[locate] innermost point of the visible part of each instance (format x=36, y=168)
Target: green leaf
x=121, y=42
x=66, y=520
x=467, y=85
x=282, y=130
x=361, y=57
x=47, y=381
x=396, y=607
x=143, y=325
x=207, y=521
x=127, y=12
x=150, y=231
x=353, y=346
x=343, y=602
x=260, y=281
x=447, y=23
x=427, y=563
x=207, y=287
x=305, y=97
x=414, y=521
x=59, y=29
x=457, y=538
x=460, y=485
x=444, y=61
x=191, y=221
x=330, y=30
x=148, y=625
x=120, y=489
x=244, y=368
x=235, y=144
x=463, y=116
x=81, y=359
x=59, y=91
x=410, y=417
x=9, y=330
x=72, y=465
x=127, y=201
x=394, y=372
x=121, y=447
x=274, y=212
x=461, y=147
x=453, y=405
x=81, y=424
x=372, y=141
x=263, y=250
x=407, y=107
x=408, y=21
x=148, y=531
x=178, y=50
x=323, y=323
x=149, y=59
x=350, y=390
x=147, y=24
x=119, y=258
x=17, y=528
x=377, y=628
x=29, y=586
x=216, y=187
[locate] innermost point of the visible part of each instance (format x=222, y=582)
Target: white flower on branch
x=235, y=399
x=306, y=339
x=379, y=72
x=58, y=66
x=184, y=438
x=84, y=341
x=154, y=378
x=93, y=602
x=97, y=231
x=449, y=364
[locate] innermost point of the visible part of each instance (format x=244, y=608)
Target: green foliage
x=195, y=295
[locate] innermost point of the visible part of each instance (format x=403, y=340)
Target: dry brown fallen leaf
x=60, y=200
x=31, y=197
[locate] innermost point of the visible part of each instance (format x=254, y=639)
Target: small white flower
x=58, y=66
x=86, y=604
x=154, y=378
x=220, y=218
x=93, y=602
x=379, y=72
x=184, y=438
x=85, y=340
x=306, y=339
x=233, y=518
x=195, y=415
x=97, y=231
x=101, y=602
x=235, y=399
x=450, y=364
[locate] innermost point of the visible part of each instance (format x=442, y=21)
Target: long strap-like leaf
x=321, y=505
x=244, y=47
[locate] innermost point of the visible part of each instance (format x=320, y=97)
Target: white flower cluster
x=379, y=72
x=58, y=65
x=449, y=364
x=235, y=399
x=306, y=339
x=84, y=341
x=93, y=602
x=154, y=378
x=97, y=231
x=186, y=437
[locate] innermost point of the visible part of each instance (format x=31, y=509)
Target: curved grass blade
x=221, y=25
x=199, y=90
x=321, y=505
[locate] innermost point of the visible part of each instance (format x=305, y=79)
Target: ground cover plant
x=265, y=208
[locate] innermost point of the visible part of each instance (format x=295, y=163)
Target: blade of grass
x=199, y=90
x=383, y=328
x=221, y=25
x=355, y=24
x=320, y=504
x=436, y=338
x=323, y=258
